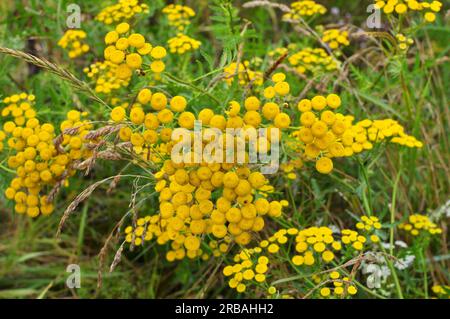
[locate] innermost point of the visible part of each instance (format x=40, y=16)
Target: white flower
x=404, y=263
x=377, y=270
x=444, y=210
x=401, y=244
x=377, y=275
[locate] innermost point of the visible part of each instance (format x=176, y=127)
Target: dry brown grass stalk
x=117, y=258
x=79, y=199
x=57, y=141
x=104, y=251
x=267, y=4
x=103, y=131
x=55, y=69
x=57, y=187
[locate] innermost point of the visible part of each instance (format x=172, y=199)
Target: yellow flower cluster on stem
x=122, y=11
x=442, y=291
x=74, y=42
x=182, y=44
x=228, y=201
x=335, y=38
x=127, y=50
x=187, y=209
x=304, y=9
x=340, y=286
x=322, y=131
x=243, y=73
x=314, y=247
x=403, y=7
x=325, y=134
x=420, y=224
x=149, y=131
x=104, y=74
x=313, y=61
x=403, y=42
x=150, y=227
x=37, y=162
x=179, y=16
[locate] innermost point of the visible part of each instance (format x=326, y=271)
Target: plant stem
x=424, y=271
x=392, y=221
x=394, y=273
x=185, y=83
x=367, y=200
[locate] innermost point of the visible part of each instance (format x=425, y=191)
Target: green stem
x=186, y=59
x=394, y=197
x=424, y=271
x=291, y=195
x=367, y=200
x=82, y=229
x=188, y=84
x=406, y=95
x=394, y=273
x=6, y=169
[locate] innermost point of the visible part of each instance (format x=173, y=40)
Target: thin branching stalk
x=55, y=69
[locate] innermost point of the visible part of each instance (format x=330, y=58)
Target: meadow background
x=414, y=90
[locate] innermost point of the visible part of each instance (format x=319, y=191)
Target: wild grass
x=389, y=181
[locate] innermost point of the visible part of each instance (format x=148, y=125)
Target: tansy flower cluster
x=127, y=50
x=420, y=224
x=187, y=209
x=335, y=38
x=442, y=292
x=311, y=245
x=151, y=227
x=313, y=61
x=244, y=74
x=73, y=132
x=238, y=212
x=247, y=268
x=182, y=44
x=20, y=107
x=376, y=131
x=403, y=42
x=280, y=88
x=315, y=247
x=401, y=7
x=38, y=163
x=122, y=11
x=325, y=134
x=149, y=132
x=269, y=114
x=277, y=52
x=340, y=287
x=368, y=225
x=290, y=166
x=73, y=42
x=301, y=9
x=179, y=16
x=106, y=78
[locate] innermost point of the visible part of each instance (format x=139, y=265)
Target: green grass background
x=413, y=90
